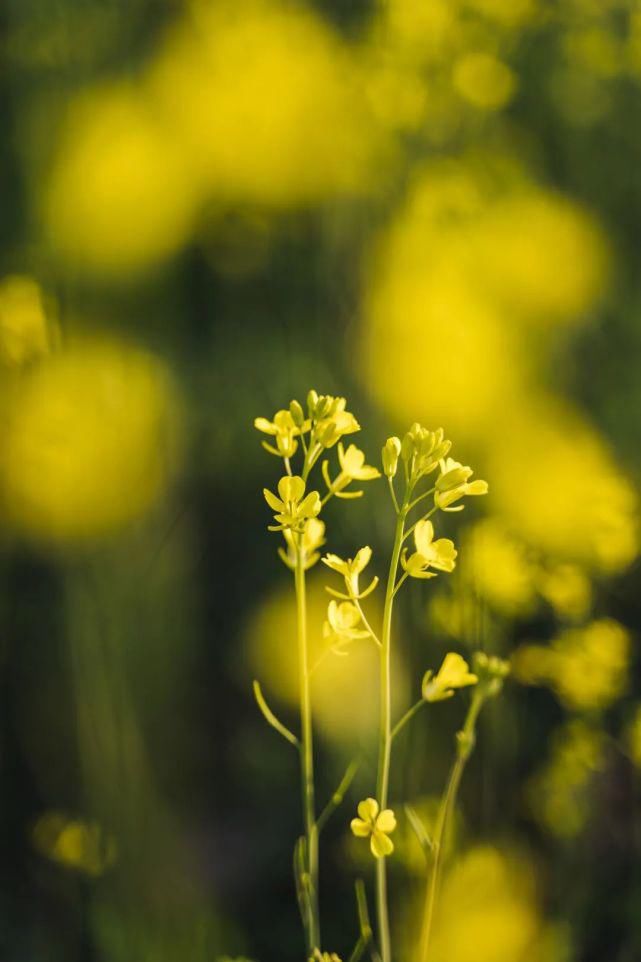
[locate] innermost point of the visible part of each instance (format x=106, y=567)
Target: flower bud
x=390, y=455
x=312, y=401
x=297, y=414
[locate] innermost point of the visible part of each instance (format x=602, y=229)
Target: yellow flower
x=350, y=570
x=453, y=673
x=292, y=509
x=313, y=536
x=333, y=421
x=439, y=554
x=353, y=465
x=453, y=484
x=319, y=956
x=342, y=624
x=284, y=429
x=375, y=824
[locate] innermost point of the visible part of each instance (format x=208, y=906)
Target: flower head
x=453, y=673
x=422, y=450
x=353, y=467
x=331, y=419
x=350, y=570
x=440, y=554
x=453, y=484
x=375, y=824
x=342, y=624
x=291, y=509
x=284, y=429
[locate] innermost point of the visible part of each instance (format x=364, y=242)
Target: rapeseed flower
x=351, y=570
x=453, y=484
x=376, y=825
x=284, y=430
x=310, y=540
x=440, y=554
x=453, y=673
x=341, y=626
x=292, y=508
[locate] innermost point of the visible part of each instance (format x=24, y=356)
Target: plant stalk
x=307, y=758
x=385, y=732
x=465, y=744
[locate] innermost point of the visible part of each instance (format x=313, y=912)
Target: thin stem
x=400, y=581
x=465, y=744
x=390, y=481
x=421, y=497
x=356, y=601
x=288, y=466
x=424, y=518
x=385, y=732
x=338, y=795
x=406, y=717
x=307, y=756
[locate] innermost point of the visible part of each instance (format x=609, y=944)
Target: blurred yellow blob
x=499, y=567
x=554, y=482
x=120, y=197
x=559, y=795
x=75, y=844
x=540, y=256
x=489, y=911
x=344, y=688
x=586, y=667
x=567, y=589
x=471, y=257
x=633, y=736
x=26, y=333
x=89, y=441
x=484, y=81
x=266, y=102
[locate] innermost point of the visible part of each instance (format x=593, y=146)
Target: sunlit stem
x=385, y=732
x=464, y=746
x=424, y=518
x=307, y=756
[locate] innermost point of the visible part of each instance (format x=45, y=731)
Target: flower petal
x=360, y=828
x=386, y=821
x=381, y=845
x=368, y=809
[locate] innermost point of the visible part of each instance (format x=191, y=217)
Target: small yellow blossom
x=285, y=430
x=453, y=673
x=351, y=570
x=453, y=483
x=341, y=626
x=376, y=825
x=319, y=956
x=440, y=554
x=332, y=420
x=292, y=509
x=352, y=462
x=311, y=539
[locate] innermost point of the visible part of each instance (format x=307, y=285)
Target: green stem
x=465, y=744
x=307, y=757
x=385, y=731
x=407, y=716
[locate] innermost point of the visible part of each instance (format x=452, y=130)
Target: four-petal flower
x=376, y=825
x=440, y=554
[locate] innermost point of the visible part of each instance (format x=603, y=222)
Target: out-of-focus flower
x=498, y=567
x=242, y=85
x=90, y=441
x=559, y=795
x=284, y=431
x=376, y=825
x=567, y=588
x=586, y=667
x=494, y=893
x=312, y=538
x=491, y=672
x=439, y=554
x=319, y=956
x=74, y=843
x=453, y=484
x=120, y=197
x=26, y=331
x=342, y=625
x=292, y=508
x=453, y=673
x=483, y=80
x=633, y=736
x=572, y=501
